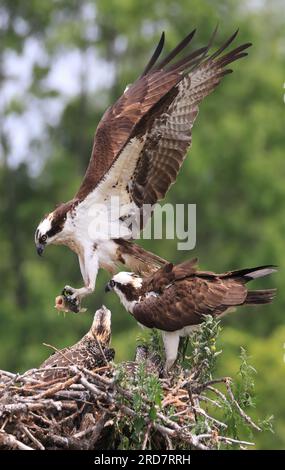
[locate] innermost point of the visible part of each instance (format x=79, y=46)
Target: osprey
x=175, y=298
x=139, y=147
x=91, y=351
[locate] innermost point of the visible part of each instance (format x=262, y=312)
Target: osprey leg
x=171, y=343
x=89, y=270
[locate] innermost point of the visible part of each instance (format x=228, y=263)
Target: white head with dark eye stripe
x=123, y=279
x=42, y=234
x=128, y=288
x=51, y=228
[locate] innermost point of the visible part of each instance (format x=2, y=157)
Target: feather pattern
x=139, y=147
x=91, y=351
x=185, y=294
x=159, y=111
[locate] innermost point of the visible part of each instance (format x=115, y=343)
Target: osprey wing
x=168, y=274
x=118, y=123
x=63, y=358
x=142, y=140
x=185, y=302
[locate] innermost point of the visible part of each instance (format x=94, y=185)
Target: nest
x=105, y=408
x=80, y=399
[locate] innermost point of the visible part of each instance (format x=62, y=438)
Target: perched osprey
x=175, y=298
x=139, y=147
x=91, y=351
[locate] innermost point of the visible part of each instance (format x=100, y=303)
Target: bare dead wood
x=9, y=441
x=86, y=409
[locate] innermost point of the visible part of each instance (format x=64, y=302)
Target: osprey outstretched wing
x=139, y=147
x=142, y=140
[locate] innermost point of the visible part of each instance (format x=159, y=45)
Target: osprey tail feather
x=249, y=274
x=256, y=297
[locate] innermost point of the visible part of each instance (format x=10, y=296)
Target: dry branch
x=59, y=417
x=110, y=405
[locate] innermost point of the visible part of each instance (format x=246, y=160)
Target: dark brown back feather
x=182, y=295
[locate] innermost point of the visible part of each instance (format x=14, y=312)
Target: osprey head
x=127, y=286
x=124, y=282
x=101, y=326
x=50, y=229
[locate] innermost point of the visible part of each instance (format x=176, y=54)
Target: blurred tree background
x=62, y=62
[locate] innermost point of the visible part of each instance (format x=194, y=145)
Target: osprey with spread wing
x=139, y=147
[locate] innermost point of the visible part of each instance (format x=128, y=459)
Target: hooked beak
x=40, y=248
x=108, y=288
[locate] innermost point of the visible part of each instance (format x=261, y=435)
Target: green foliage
x=235, y=171
x=204, y=352
x=245, y=387
x=242, y=394
x=220, y=408
x=267, y=358
x=145, y=388
x=153, y=340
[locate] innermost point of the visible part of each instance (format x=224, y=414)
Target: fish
x=65, y=303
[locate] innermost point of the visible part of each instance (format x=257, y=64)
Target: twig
x=218, y=423
x=94, y=431
x=225, y=439
x=201, y=387
x=94, y=389
x=209, y=400
x=189, y=389
x=101, y=350
x=8, y=374
x=218, y=393
x=169, y=445
x=34, y=440
x=26, y=407
x=57, y=388
x=146, y=436
x=59, y=351
x=10, y=441
x=247, y=419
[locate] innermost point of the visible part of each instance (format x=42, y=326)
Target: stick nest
x=125, y=406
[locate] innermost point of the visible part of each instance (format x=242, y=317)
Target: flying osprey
x=139, y=147
x=175, y=298
x=91, y=351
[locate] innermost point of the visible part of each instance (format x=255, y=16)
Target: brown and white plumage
x=139, y=147
x=91, y=352
x=175, y=298
x=152, y=122
x=150, y=360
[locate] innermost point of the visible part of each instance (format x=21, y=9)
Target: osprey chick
x=175, y=298
x=91, y=351
x=139, y=147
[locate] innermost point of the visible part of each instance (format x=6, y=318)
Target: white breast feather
x=129, y=305
x=117, y=178
x=100, y=213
